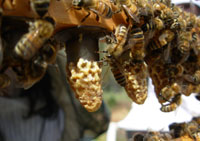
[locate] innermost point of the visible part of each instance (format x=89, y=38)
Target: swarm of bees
x=151, y=38
x=184, y=131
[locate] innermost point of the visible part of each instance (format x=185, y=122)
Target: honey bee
x=31, y=42
x=130, y=9
x=144, y=7
x=136, y=43
x=99, y=7
x=184, y=40
x=159, y=23
x=177, y=129
x=176, y=101
x=138, y=137
x=192, y=128
x=153, y=136
x=117, y=56
x=40, y=6
x=30, y=72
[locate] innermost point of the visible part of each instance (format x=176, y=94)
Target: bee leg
x=85, y=17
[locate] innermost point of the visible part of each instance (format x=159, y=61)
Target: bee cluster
x=154, y=39
x=185, y=131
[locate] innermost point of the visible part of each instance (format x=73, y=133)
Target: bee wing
x=189, y=78
x=167, y=53
x=105, y=76
x=129, y=45
x=131, y=14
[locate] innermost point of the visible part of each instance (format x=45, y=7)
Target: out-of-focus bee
x=138, y=137
x=184, y=40
x=145, y=7
x=40, y=6
x=192, y=128
x=195, y=79
x=166, y=2
x=136, y=43
x=177, y=129
x=31, y=42
x=153, y=136
x=158, y=23
x=174, y=103
x=130, y=9
x=30, y=72
x=99, y=7
x=191, y=20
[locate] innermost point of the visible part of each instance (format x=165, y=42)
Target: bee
x=99, y=7
x=136, y=43
x=192, y=128
x=144, y=7
x=177, y=129
x=184, y=41
x=195, y=79
x=30, y=72
x=138, y=137
x=31, y=42
x=117, y=56
x=40, y=6
x=176, y=101
x=130, y=9
x=159, y=24
x=153, y=136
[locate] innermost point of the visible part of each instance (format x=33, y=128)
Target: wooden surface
x=64, y=15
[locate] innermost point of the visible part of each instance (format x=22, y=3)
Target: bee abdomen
x=119, y=77
x=148, y=27
x=40, y=6
x=154, y=44
x=104, y=10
